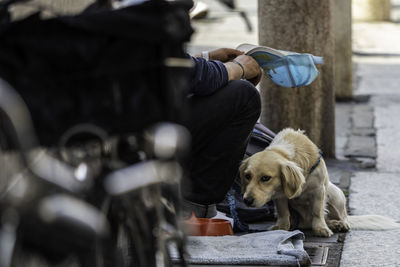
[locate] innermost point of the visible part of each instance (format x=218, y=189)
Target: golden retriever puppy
x=292, y=172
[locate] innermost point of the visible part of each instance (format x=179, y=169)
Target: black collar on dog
x=316, y=163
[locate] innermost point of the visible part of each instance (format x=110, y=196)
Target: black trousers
x=220, y=125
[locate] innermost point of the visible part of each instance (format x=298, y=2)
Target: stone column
x=343, y=49
x=303, y=26
x=371, y=10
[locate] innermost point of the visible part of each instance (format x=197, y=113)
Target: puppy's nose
x=248, y=201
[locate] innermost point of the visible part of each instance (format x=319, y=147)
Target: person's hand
x=224, y=54
x=256, y=79
x=252, y=70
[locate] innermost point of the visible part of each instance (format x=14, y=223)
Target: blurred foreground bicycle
x=81, y=183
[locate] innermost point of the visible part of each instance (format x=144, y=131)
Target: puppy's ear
x=242, y=168
x=292, y=179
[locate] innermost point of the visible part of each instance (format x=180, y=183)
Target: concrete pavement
x=377, y=191
x=367, y=167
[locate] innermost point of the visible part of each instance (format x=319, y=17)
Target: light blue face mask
x=292, y=70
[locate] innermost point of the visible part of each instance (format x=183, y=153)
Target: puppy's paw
x=338, y=226
x=323, y=232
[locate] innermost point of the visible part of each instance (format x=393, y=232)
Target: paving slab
x=361, y=146
x=365, y=163
x=380, y=76
x=388, y=141
x=377, y=67
x=363, y=116
x=364, y=131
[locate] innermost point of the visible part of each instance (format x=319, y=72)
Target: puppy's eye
x=247, y=176
x=265, y=178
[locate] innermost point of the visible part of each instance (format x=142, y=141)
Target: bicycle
x=95, y=148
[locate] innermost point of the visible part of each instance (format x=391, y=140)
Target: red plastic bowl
x=207, y=227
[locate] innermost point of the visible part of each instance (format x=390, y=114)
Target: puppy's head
x=269, y=174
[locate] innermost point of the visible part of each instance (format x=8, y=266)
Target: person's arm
x=209, y=75
x=244, y=67
x=248, y=67
x=222, y=54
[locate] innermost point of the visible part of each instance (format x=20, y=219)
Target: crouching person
x=224, y=106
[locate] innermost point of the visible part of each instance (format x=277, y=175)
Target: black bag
x=260, y=138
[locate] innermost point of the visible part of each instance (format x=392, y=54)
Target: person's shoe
x=199, y=210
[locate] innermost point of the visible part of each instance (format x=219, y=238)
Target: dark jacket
x=207, y=76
